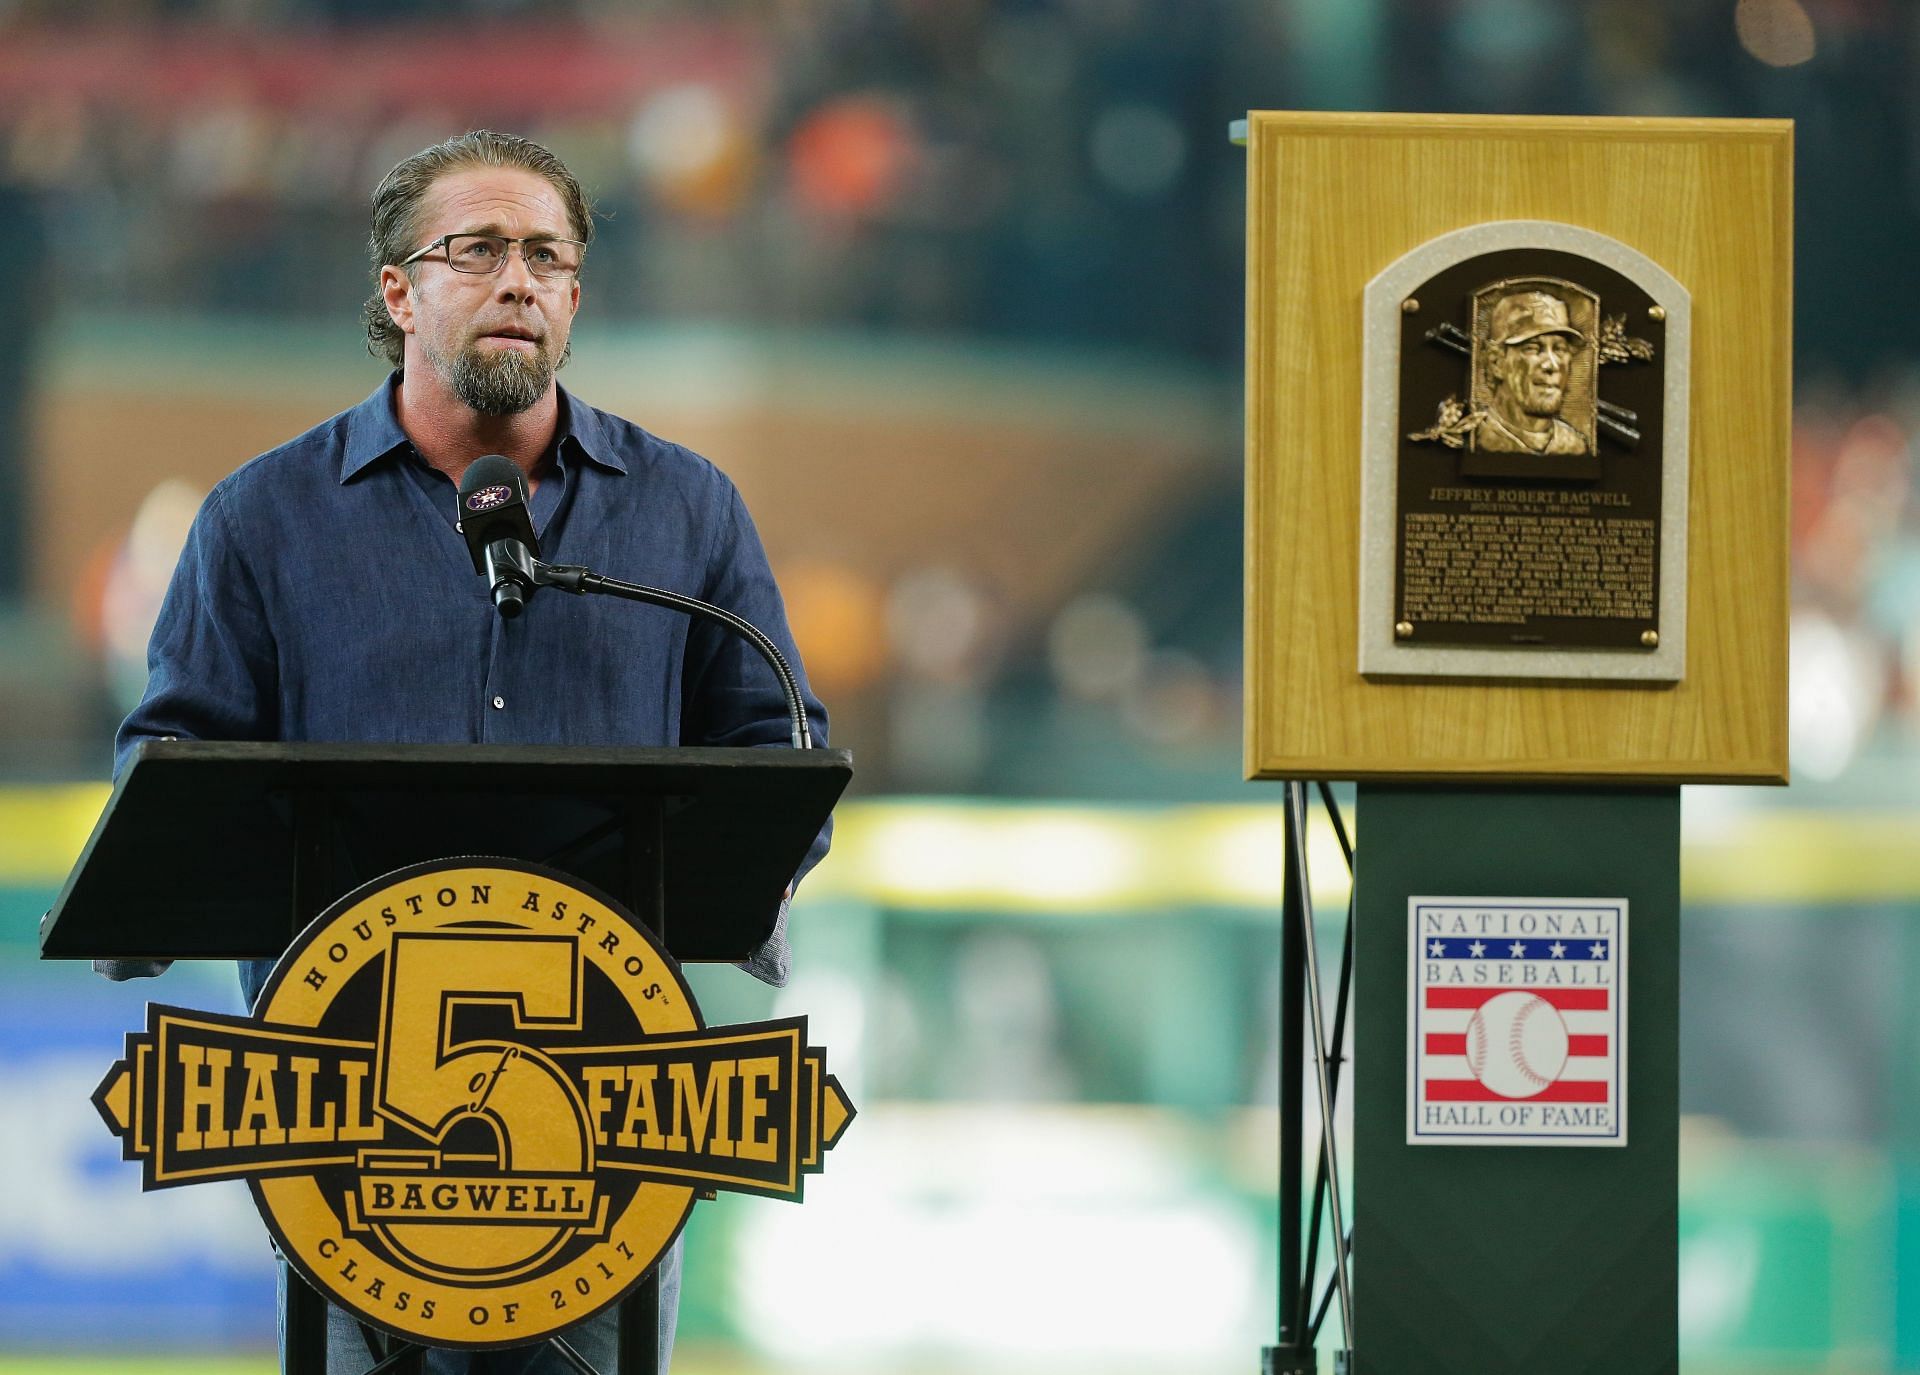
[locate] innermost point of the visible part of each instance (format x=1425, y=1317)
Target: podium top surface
x=194, y=855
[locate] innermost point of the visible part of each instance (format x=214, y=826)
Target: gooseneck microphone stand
x=515, y=574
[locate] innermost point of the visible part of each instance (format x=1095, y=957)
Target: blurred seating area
x=1005, y=171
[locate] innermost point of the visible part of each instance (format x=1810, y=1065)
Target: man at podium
x=326, y=593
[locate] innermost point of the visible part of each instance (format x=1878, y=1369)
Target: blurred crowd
x=1005, y=167
x=1021, y=170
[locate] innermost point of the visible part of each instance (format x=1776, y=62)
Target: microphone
x=499, y=532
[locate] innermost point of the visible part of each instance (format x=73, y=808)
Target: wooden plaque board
x=1332, y=199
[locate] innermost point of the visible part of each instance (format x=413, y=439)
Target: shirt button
x=499, y=704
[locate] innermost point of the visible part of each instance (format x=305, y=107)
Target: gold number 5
x=433, y=1084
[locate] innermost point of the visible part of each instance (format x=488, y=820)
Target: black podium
x=213, y=850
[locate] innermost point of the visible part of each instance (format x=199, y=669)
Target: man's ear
x=396, y=289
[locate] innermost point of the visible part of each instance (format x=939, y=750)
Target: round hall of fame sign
x=475, y=1103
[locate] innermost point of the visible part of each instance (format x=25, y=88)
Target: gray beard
x=504, y=382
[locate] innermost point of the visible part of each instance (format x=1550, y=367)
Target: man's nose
x=516, y=280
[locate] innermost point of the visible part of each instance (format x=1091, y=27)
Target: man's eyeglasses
x=483, y=254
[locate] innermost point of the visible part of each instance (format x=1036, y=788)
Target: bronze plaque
x=1529, y=473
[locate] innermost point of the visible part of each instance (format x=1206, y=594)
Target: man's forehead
x=502, y=198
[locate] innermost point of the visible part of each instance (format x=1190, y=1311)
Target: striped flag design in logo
x=1516, y=1021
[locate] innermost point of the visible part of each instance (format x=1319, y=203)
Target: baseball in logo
x=475, y=1103
x=489, y=497
x=1516, y=1019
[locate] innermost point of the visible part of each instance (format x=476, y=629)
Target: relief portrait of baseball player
x=1531, y=344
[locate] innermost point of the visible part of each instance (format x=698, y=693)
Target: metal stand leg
x=306, y=1339
x=1297, y=813
x=1292, y=1356
x=578, y=1363
x=1302, y=1010
x=404, y=1359
x=640, y=1329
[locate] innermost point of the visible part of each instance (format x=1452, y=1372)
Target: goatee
x=500, y=381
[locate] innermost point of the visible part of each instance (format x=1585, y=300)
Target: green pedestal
x=1516, y=1260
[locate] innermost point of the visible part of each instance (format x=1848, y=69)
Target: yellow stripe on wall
x=43, y=830
x=950, y=855
x=1789, y=856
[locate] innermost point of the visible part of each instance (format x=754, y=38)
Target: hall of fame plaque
x=1525, y=459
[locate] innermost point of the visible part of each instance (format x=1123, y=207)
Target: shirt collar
x=587, y=428
x=372, y=432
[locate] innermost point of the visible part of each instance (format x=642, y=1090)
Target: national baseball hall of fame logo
x=475, y=1103
x=1516, y=1021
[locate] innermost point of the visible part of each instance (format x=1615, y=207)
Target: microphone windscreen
x=493, y=506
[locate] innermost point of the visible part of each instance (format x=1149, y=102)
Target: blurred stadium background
x=953, y=288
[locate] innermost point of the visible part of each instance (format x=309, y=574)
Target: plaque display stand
x=1524, y=776
x=1497, y=1257
x=213, y=850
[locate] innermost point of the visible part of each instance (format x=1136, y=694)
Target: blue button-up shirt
x=325, y=594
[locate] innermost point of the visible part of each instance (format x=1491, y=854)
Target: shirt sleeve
x=730, y=695
x=211, y=664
